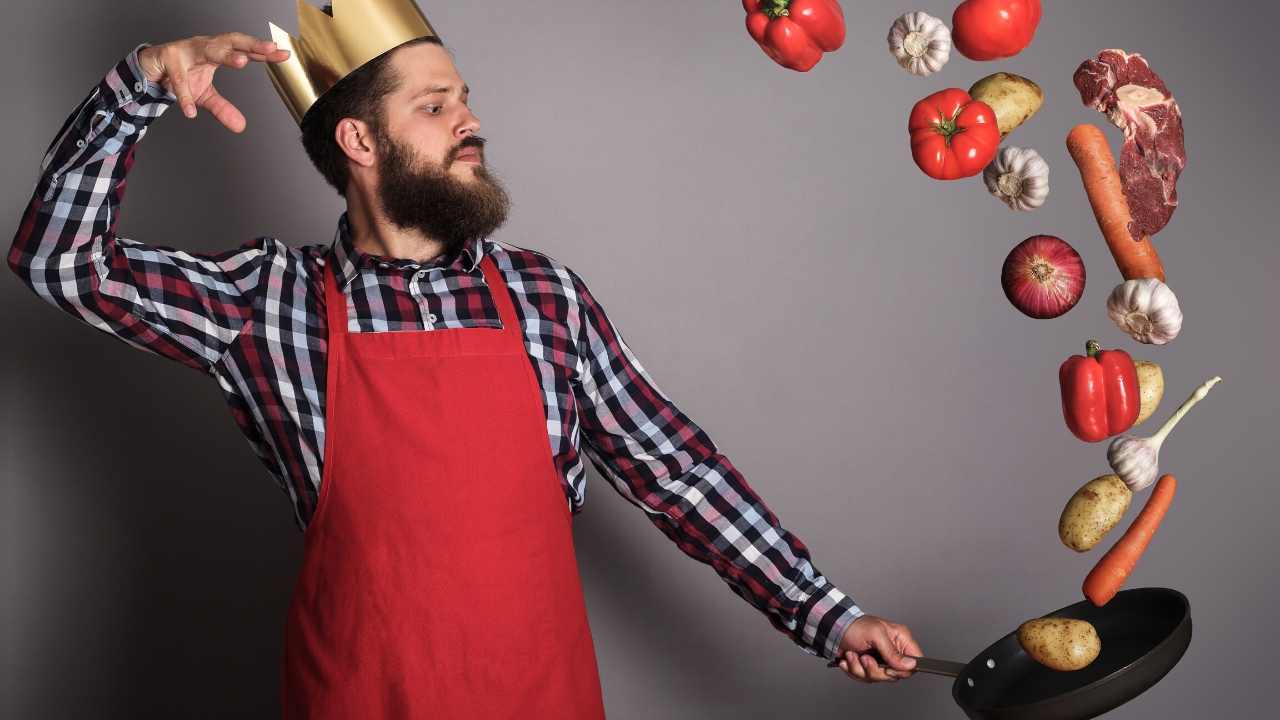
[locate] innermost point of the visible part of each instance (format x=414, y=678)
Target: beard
x=423, y=195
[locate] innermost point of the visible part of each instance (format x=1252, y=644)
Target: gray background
x=831, y=316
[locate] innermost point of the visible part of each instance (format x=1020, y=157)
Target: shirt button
x=80, y=143
x=137, y=87
x=431, y=317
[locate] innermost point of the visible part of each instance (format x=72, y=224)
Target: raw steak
x=1123, y=87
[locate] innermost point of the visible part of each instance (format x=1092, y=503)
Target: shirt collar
x=351, y=260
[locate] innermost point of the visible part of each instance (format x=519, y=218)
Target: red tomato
x=991, y=29
x=952, y=135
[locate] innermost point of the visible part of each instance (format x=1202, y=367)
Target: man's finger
x=849, y=663
x=892, y=655
x=874, y=672
x=178, y=78
x=248, y=43
x=224, y=111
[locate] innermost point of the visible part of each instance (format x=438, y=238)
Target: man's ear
x=356, y=141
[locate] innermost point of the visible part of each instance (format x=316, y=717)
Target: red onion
x=1043, y=276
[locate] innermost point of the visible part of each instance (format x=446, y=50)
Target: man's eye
x=433, y=109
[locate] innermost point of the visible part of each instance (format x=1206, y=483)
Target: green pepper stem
x=775, y=8
x=1092, y=348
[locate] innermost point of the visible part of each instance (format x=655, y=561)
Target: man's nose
x=470, y=124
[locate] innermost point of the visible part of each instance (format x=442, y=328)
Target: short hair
x=359, y=95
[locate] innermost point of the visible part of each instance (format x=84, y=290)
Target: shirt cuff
x=826, y=615
x=131, y=83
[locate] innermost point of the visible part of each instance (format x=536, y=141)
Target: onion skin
x=1043, y=277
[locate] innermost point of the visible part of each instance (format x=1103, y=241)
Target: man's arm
x=663, y=463
x=185, y=306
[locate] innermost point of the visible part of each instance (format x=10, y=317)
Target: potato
x=1013, y=98
x=1150, y=388
x=1091, y=513
x=1060, y=643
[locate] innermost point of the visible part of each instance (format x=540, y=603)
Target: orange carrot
x=1136, y=257
x=1113, y=569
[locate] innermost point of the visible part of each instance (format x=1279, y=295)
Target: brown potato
x=1091, y=513
x=1013, y=98
x=1150, y=388
x=1060, y=643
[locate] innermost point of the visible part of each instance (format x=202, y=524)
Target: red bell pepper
x=992, y=29
x=1099, y=392
x=952, y=135
x=795, y=33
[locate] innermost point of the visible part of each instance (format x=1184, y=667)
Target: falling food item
x=1146, y=309
x=1019, y=177
x=1059, y=643
x=920, y=42
x=1013, y=98
x=795, y=33
x=952, y=135
x=993, y=29
x=1109, y=575
x=1123, y=87
x=1137, y=460
x=1093, y=511
x=1150, y=389
x=1043, y=277
x=1099, y=392
x=1135, y=256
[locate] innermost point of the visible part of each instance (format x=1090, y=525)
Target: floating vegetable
x=795, y=33
x=1019, y=177
x=1099, y=392
x=991, y=29
x=952, y=135
x=1060, y=643
x=1013, y=98
x=1105, y=580
x=1150, y=388
x=1092, y=511
x=1146, y=309
x=1137, y=460
x=1043, y=276
x=920, y=42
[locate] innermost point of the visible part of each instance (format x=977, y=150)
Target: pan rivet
x=970, y=682
x=991, y=663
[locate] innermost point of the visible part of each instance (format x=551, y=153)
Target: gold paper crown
x=328, y=49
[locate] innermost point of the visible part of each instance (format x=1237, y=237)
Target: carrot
x=1136, y=258
x=1113, y=569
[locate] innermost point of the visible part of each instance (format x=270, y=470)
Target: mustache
x=472, y=141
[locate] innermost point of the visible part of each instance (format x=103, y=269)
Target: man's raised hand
x=185, y=67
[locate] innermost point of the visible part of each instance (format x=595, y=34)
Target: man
x=420, y=391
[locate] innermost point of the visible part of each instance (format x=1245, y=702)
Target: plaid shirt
x=253, y=319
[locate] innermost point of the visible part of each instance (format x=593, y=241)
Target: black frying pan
x=1144, y=633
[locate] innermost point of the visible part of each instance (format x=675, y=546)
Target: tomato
x=992, y=29
x=952, y=135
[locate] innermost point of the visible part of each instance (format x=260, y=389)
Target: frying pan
x=1144, y=633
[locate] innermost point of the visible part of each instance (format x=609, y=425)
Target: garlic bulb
x=920, y=42
x=1019, y=177
x=1146, y=309
x=1137, y=460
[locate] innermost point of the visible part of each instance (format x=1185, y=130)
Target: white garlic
x=1137, y=460
x=1019, y=177
x=920, y=42
x=1146, y=309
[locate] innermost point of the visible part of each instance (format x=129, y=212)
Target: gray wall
x=827, y=313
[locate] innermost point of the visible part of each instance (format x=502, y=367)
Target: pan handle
x=923, y=664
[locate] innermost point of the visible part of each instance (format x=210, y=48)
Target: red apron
x=439, y=578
